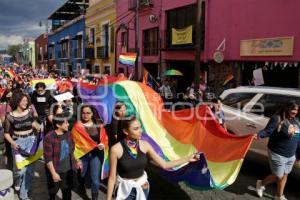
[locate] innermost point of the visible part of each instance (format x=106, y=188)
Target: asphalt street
x=243, y=188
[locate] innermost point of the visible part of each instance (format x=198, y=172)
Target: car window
x=238, y=100
x=269, y=104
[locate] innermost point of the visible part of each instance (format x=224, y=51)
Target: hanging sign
x=182, y=36
x=282, y=46
x=219, y=53
x=218, y=56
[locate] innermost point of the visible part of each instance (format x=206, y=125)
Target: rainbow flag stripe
x=181, y=133
x=50, y=83
x=84, y=144
x=127, y=58
x=23, y=161
x=10, y=73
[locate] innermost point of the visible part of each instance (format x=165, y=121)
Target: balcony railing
x=142, y=4
x=102, y=52
x=89, y=53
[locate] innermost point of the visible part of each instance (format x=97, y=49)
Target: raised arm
x=270, y=128
x=167, y=164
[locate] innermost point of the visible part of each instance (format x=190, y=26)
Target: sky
x=20, y=19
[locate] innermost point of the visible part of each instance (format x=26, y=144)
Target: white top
x=125, y=186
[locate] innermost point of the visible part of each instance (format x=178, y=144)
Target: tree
x=13, y=50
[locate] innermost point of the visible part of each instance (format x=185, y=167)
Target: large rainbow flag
x=177, y=134
x=49, y=82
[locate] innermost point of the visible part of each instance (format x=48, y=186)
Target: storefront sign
x=182, y=36
x=267, y=47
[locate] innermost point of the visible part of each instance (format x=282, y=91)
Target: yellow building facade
x=100, y=35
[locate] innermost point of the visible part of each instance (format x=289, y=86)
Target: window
x=62, y=67
x=78, y=67
x=97, y=69
x=65, y=49
x=269, y=104
x=103, y=50
x=112, y=39
x=79, y=47
x=92, y=36
x=238, y=100
x=151, y=42
x=124, y=39
x=106, y=69
x=181, y=18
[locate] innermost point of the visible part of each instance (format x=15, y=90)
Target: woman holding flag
x=20, y=130
x=128, y=159
x=88, y=136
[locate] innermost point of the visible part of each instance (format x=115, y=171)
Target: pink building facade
x=249, y=35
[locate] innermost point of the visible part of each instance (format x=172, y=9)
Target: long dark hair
x=126, y=122
x=96, y=117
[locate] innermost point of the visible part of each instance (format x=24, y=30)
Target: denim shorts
x=26, y=143
x=280, y=165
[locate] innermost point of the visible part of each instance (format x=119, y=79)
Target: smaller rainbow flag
x=228, y=78
x=10, y=73
x=127, y=58
x=2, y=90
x=84, y=144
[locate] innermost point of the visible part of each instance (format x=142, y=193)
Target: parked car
x=248, y=109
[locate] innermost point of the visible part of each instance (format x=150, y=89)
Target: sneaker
x=260, y=188
x=280, y=198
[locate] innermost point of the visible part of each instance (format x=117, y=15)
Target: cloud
x=20, y=18
x=10, y=40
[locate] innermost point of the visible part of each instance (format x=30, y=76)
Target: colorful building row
x=236, y=38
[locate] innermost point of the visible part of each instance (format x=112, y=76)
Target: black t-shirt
x=115, y=129
x=65, y=154
x=42, y=103
x=93, y=132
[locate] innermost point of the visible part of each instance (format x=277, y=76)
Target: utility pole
x=198, y=48
x=136, y=28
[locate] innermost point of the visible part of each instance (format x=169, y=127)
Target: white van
x=248, y=109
